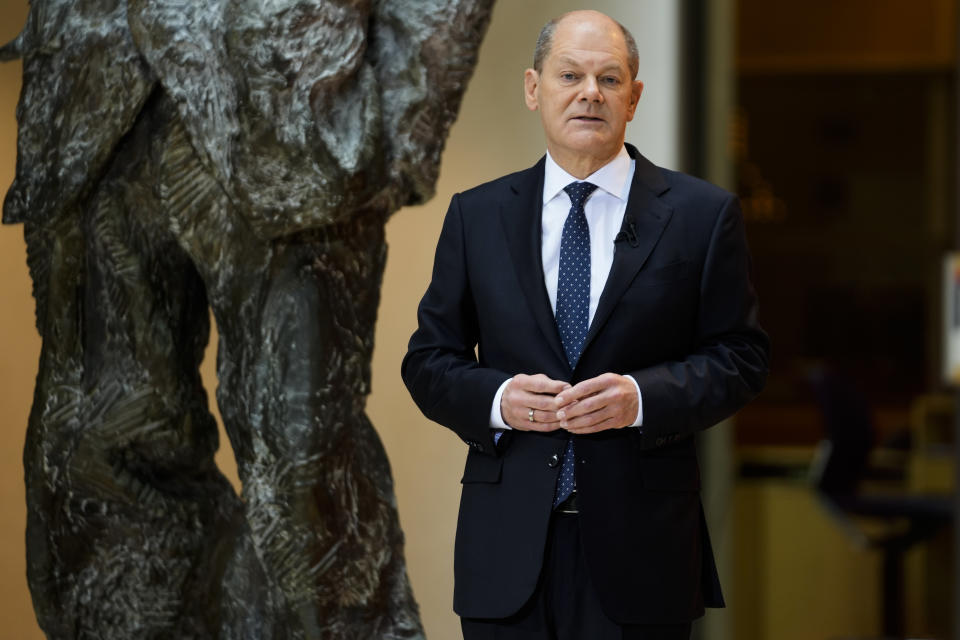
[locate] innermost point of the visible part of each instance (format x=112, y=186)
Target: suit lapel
x=520, y=216
x=649, y=216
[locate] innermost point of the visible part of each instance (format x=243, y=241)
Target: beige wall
x=20, y=346
x=494, y=135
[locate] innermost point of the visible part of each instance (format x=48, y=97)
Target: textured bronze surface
x=243, y=155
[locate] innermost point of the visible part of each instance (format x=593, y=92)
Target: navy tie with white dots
x=573, y=304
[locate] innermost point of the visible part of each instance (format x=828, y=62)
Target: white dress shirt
x=604, y=210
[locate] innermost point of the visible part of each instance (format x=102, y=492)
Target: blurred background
x=831, y=497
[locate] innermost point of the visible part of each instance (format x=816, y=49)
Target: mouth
x=588, y=119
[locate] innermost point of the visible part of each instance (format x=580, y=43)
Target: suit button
x=553, y=461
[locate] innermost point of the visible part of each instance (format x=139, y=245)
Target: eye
x=568, y=76
x=610, y=80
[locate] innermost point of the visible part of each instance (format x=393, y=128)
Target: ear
x=531, y=81
x=635, y=90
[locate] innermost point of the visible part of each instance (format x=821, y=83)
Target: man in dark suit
x=586, y=317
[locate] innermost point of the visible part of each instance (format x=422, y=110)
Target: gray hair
x=545, y=41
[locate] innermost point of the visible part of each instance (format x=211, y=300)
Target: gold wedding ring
x=530, y=415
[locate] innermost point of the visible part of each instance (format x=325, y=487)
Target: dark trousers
x=564, y=605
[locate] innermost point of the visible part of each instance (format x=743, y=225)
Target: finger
x=610, y=417
x=518, y=416
x=591, y=404
x=524, y=400
x=603, y=425
x=525, y=392
x=621, y=397
x=540, y=383
x=598, y=408
x=538, y=401
x=583, y=407
x=543, y=417
x=586, y=420
x=586, y=388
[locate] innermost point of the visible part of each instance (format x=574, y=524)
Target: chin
x=592, y=146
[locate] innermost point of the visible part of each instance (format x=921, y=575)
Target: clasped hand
x=608, y=401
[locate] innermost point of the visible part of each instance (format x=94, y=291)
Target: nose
x=591, y=89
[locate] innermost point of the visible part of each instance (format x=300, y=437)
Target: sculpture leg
x=132, y=531
x=130, y=523
x=294, y=377
x=296, y=319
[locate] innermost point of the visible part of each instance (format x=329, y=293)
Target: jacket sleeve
x=729, y=363
x=440, y=369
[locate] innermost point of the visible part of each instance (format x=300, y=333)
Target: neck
x=581, y=166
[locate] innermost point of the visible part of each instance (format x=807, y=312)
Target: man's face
x=585, y=92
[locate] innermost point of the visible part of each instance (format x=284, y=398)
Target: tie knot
x=579, y=192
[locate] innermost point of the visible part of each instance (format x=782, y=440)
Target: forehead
x=594, y=40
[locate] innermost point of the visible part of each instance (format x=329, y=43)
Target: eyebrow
x=613, y=66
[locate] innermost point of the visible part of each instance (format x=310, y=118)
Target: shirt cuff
x=639, y=421
x=496, y=419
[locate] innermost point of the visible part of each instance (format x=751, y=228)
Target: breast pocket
x=665, y=274
x=481, y=467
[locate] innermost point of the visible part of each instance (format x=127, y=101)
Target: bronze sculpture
x=241, y=156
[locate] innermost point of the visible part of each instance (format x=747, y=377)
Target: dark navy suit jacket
x=678, y=313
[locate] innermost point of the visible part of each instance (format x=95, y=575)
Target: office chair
x=890, y=521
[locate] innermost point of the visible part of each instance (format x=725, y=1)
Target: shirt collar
x=612, y=177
